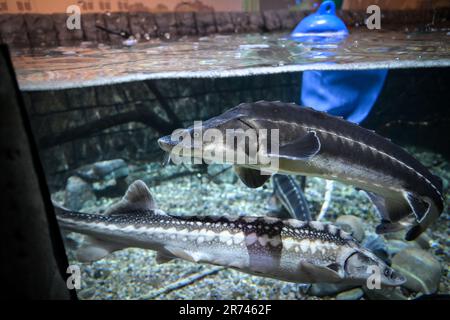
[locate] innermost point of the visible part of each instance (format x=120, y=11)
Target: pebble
x=116, y=168
x=328, y=289
x=354, y=294
x=395, y=246
x=421, y=269
x=86, y=294
x=77, y=193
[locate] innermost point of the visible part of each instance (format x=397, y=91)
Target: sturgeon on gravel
x=289, y=250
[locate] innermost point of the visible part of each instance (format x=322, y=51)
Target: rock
x=395, y=246
x=77, y=193
x=86, y=293
x=354, y=294
x=110, y=188
x=328, y=289
x=111, y=169
x=353, y=225
x=421, y=269
x=424, y=241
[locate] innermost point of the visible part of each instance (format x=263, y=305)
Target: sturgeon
x=314, y=143
x=289, y=250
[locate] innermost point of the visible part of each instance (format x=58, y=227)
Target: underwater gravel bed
x=134, y=273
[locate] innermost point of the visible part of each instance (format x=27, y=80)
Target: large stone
x=110, y=188
x=395, y=246
x=111, y=169
x=77, y=193
x=421, y=269
x=354, y=294
x=329, y=289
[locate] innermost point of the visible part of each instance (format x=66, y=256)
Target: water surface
x=224, y=56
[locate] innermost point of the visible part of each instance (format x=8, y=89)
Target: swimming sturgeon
x=315, y=143
x=288, y=250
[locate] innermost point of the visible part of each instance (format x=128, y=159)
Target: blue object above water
x=350, y=94
x=323, y=23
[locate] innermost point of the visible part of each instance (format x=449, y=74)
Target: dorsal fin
x=137, y=197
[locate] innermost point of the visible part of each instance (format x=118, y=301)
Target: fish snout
x=391, y=277
x=166, y=143
x=364, y=266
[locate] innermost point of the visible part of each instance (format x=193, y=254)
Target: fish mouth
x=395, y=279
x=184, y=149
x=166, y=143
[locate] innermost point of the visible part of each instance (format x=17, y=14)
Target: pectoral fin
x=94, y=249
x=163, y=257
x=183, y=254
x=303, y=148
x=317, y=273
x=387, y=227
x=252, y=178
x=390, y=210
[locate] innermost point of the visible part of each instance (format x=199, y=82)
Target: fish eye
x=387, y=272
